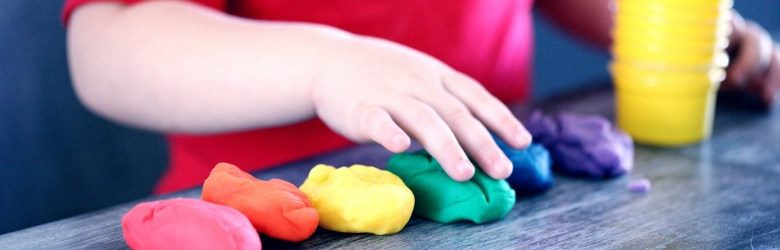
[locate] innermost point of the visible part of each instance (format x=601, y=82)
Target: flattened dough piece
x=442, y=199
x=359, y=199
x=187, y=224
x=583, y=145
x=276, y=208
x=531, y=172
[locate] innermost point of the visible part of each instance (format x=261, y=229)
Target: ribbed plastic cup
x=668, y=62
x=666, y=108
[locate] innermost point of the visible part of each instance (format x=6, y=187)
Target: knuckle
x=487, y=145
x=363, y=112
x=448, y=148
x=430, y=88
x=365, y=119
x=441, y=141
x=425, y=76
x=484, y=98
x=425, y=116
x=459, y=115
x=398, y=139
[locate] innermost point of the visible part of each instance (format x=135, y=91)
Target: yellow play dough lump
x=359, y=199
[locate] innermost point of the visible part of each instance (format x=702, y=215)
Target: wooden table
x=724, y=193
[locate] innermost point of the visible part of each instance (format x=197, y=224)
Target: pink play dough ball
x=187, y=224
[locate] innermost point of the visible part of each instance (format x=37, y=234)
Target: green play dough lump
x=440, y=198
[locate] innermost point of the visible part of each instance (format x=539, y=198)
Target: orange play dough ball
x=276, y=208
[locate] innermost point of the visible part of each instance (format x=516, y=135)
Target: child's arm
x=175, y=67
x=755, y=68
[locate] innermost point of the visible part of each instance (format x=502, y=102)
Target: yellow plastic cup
x=636, y=26
x=690, y=13
x=720, y=61
x=673, y=46
x=671, y=58
x=683, y=3
x=651, y=17
x=678, y=17
x=676, y=48
x=668, y=17
x=655, y=43
x=668, y=64
x=642, y=33
x=660, y=6
x=669, y=76
x=662, y=108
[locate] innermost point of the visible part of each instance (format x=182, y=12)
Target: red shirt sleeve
x=71, y=5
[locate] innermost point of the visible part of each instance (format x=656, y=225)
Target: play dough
x=531, y=172
x=639, y=186
x=359, y=199
x=583, y=145
x=276, y=208
x=442, y=199
x=187, y=224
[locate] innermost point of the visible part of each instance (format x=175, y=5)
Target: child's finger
x=426, y=126
x=376, y=124
x=488, y=109
x=471, y=134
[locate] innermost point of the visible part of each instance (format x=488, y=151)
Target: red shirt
x=490, y=40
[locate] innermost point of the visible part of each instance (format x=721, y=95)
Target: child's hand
x=755, y=68
x=385, y=92
x=223, y=73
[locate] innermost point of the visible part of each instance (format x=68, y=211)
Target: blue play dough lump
x=531, y=173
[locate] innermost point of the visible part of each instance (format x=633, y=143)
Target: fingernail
x=503, y=167
x=527, y=136
x=399, y=140
x=523, y=138
x=463, y=167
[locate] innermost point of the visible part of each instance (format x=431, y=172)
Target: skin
x=221, y=73
x=755, y=68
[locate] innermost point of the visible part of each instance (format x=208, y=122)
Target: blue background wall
x=58, y=160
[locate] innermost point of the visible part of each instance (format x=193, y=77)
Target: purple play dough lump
x=583, y=145
x=639, y=186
